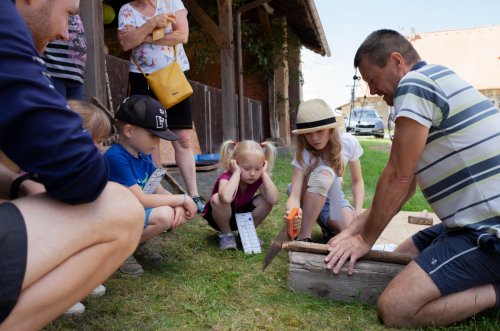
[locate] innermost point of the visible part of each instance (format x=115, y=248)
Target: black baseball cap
x=146, y=112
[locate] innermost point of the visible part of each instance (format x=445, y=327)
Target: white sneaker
x=76, y=310
x=98, y=291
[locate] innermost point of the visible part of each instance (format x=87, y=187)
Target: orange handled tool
x=292, y=231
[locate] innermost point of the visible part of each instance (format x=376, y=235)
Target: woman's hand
x=162, y=20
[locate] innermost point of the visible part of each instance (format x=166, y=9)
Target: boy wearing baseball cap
x=142, y=121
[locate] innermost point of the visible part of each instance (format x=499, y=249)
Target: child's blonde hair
x=231, y=149
x=331, y=153
x=95, y=120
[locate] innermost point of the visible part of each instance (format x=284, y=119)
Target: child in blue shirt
x=141, y=122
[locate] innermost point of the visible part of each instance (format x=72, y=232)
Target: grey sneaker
x=76, y=310
x=227, y=241
x=131, y=267
x=145, y=254
x=200, y=203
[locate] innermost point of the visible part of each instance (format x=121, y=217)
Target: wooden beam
x=206, y=22
x=91, y=14
x=264, y=20
x=227, y=67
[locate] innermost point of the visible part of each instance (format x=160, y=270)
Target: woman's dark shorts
x=13, y=256
x=459, y=259
x=178, y=117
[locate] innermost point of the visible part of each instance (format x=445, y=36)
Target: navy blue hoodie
x=38, y=131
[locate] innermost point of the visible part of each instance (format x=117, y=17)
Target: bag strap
x=137, y=63
x=139, y=67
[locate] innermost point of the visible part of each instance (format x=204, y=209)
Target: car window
x=365, y=113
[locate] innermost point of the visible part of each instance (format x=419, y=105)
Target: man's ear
x=396, y=59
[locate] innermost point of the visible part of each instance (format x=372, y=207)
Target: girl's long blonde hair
x=331, y=153
x=231, y=149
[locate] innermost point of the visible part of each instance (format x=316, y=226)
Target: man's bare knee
x=390, y=314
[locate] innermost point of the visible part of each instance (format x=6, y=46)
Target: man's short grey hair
x=382, y=43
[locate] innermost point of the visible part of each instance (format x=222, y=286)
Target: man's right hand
x=343, y=247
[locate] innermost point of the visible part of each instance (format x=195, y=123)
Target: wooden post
x=228, y=81
x=281, y=81
x=295, y=80
x=91, y=14
x=307, y=274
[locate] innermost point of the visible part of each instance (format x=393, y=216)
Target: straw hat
x=314, y=115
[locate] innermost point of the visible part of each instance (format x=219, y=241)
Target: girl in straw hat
x=318, y=165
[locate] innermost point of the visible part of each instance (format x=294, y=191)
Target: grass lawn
x=198, y=287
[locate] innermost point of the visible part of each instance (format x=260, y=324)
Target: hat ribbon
x=308, y=125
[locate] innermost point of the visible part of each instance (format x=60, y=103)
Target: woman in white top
x=136, y=22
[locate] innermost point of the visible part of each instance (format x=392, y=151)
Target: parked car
x=365, y=121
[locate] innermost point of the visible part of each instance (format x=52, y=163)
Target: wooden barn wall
x=205, y=105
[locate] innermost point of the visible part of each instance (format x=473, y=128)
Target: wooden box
x=308, y=274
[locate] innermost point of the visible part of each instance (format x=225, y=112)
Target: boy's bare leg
x=160, y=219
x=72, y=249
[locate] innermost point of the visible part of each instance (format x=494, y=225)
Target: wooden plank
x=207, y=24
x=308, y=275
x=199, y=167
x=177, y=188
x=323, y=249
x=422, y=219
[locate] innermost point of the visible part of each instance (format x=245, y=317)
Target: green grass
x=198, y=287
x=373, y=160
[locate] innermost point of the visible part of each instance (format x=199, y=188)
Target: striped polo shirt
x=66, y=59
x=459, y=169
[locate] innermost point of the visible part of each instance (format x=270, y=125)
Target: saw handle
x=290, y=218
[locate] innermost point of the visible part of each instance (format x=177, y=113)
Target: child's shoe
x=227, y=241
x=76, y=310
x=200, y=203
x=99, y=291
x=131, y=267
x=145, y=254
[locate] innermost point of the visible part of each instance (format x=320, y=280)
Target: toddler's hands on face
x=265, y=166
x=234, y=167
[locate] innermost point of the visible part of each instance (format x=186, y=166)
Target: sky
x=347, y=23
